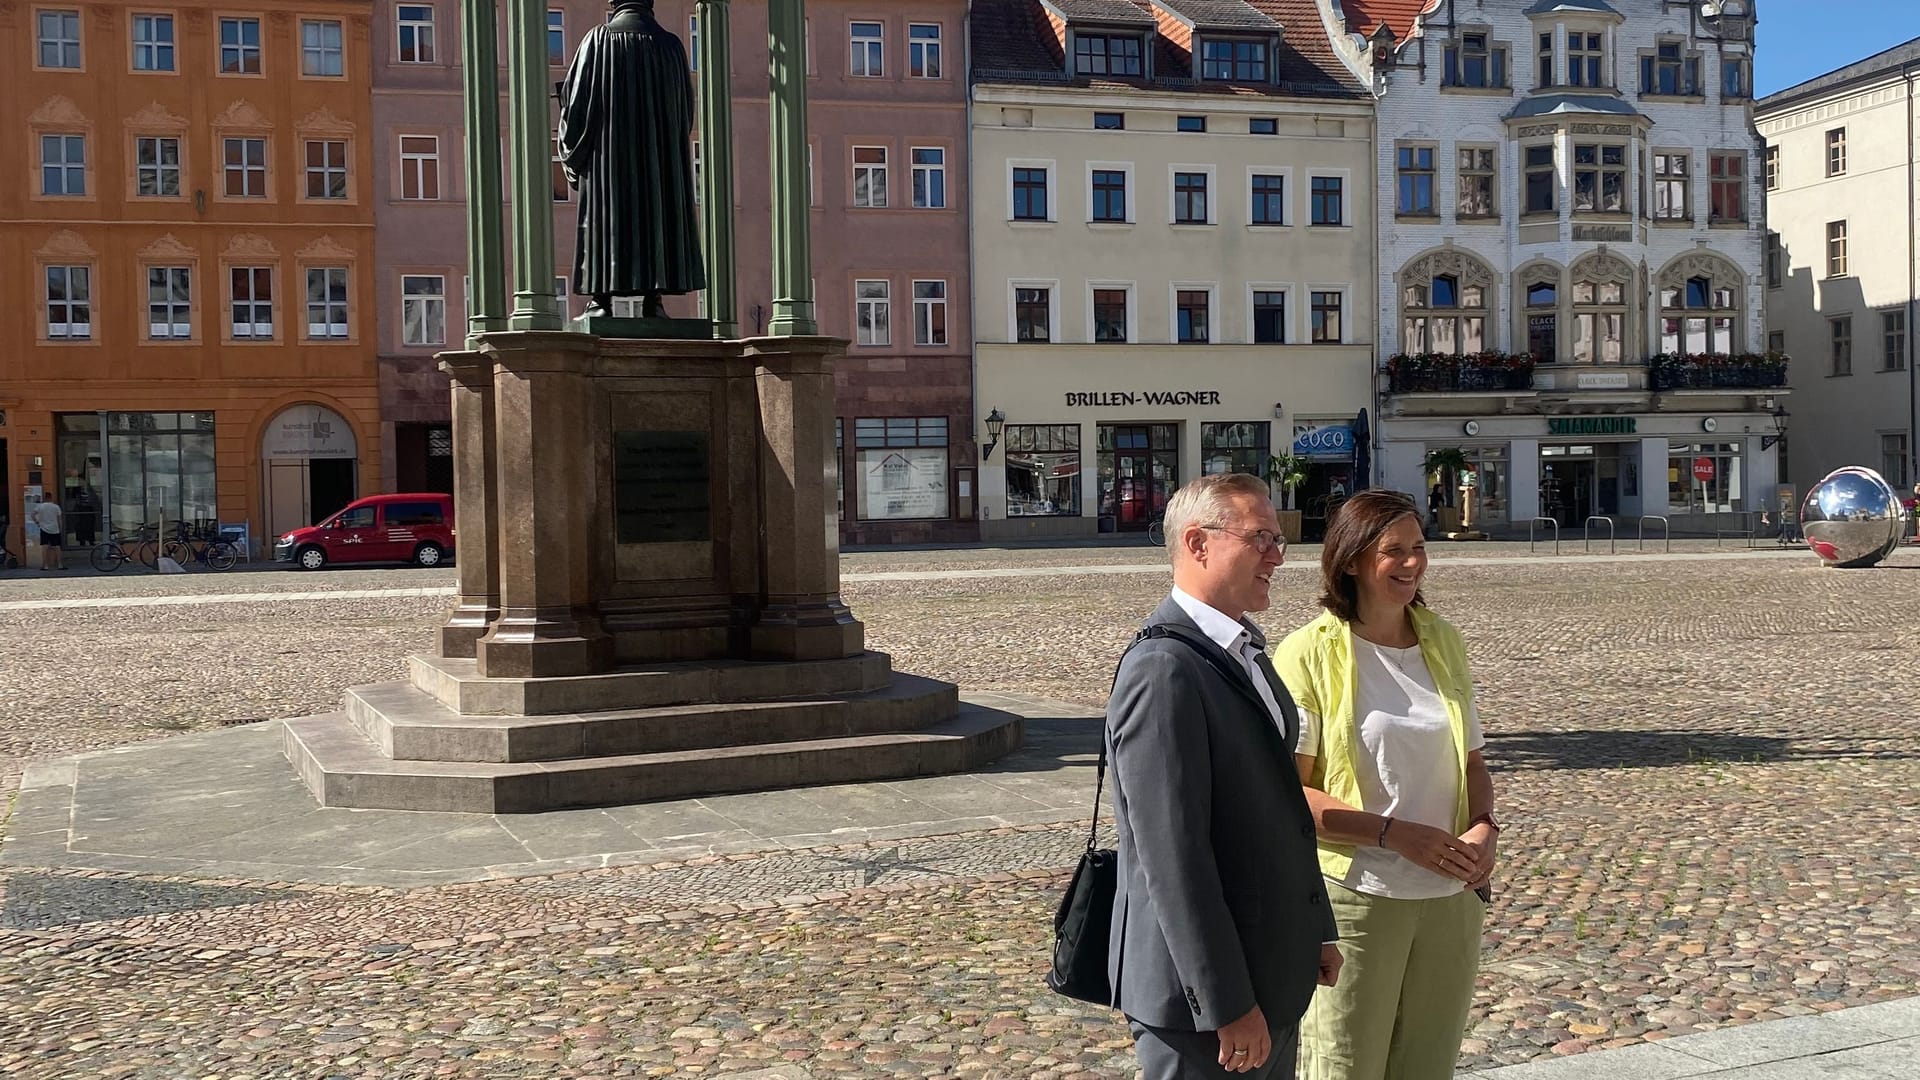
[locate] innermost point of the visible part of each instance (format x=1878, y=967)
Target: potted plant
x=1445, y=465
x=1286, y=472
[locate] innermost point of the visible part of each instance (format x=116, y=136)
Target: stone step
x=459, y=686
x=342, y=768
x=408, y=724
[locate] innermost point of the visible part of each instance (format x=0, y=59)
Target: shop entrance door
x=1139, y=471
x=1567, y=485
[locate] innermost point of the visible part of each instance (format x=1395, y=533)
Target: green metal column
x=716, y=152
x=530, y=149
x=486, y=260
x=792, y=200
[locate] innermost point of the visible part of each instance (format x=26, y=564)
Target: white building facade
x=1172, y=256
x=1842, y=197
x=1570, y=260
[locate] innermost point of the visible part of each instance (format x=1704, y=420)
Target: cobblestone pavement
x=1710, y=771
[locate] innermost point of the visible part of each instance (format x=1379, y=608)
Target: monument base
x=1467, y=534
x=618, y=326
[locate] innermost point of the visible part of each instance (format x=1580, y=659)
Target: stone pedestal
x=477, y=535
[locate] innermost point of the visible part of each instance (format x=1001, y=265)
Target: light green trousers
x=1400, y=1009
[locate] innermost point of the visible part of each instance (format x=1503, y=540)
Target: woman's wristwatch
x=1488, y=818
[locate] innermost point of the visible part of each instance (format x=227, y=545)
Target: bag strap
x=1208, y=651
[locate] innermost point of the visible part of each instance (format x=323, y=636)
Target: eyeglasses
x=1262, y=540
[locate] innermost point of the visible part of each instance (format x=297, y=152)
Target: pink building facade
x=887, y=119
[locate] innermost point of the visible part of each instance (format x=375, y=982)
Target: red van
x=379, y=528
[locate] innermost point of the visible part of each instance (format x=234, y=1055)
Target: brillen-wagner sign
x=1115, y=399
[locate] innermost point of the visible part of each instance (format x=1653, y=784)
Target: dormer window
x=1226, y=60
x=1107, y=54
x=1474, y=62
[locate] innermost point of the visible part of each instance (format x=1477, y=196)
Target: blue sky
x=1802, y=39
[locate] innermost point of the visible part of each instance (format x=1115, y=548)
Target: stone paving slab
x=227, y=804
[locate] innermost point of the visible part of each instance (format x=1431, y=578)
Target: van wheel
x=310, y=558
x=428, y=555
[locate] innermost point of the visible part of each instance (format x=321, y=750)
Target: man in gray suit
x=1221, y=927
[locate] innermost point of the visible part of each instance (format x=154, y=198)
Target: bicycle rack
x=1664, y=523
x=1556, y=532
x=1586, y=534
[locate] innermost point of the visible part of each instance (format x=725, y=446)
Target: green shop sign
x=1591, y=425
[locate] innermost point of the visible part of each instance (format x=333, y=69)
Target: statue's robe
x=626, y=124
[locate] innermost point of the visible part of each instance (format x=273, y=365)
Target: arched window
x=1602, y=292
x=1700, y=305
x=1543, y=321
x=1443, y=304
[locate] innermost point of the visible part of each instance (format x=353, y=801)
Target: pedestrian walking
x=46, y=518
x=1390, y=748
x=1220, y=921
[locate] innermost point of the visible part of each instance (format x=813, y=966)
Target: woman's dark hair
x=1357, y=527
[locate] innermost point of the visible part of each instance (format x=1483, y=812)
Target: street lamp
x=995, y=422
x=1780, y=415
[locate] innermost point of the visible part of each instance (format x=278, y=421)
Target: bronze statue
x=626, y=126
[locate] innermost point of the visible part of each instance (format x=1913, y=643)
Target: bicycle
x=136, y=545
x=206, y=546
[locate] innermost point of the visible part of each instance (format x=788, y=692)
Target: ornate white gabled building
x=1571, y=241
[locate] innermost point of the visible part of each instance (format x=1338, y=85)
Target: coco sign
x=1323, y=440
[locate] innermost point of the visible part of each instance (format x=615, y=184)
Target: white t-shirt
x=1409, y=770
x=46, y=517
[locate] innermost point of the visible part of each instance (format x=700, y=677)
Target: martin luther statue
x=626, y=125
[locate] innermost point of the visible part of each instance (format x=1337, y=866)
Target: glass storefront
x=82, y=475
x=1139, y=471
x=1043, y=470
x=159, y=465
x=1705, y=478
x=903, y=467
x=1242, y=448
x=1489, y=467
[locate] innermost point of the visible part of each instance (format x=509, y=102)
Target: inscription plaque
x=661, y=487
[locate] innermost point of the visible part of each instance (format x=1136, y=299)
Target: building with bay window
x=1571, y=245
x=187, y=207
x=1840, y=174
x=1172, y=256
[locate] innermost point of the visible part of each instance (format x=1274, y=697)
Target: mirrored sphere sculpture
x=1852, y=518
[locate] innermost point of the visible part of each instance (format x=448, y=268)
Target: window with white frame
x=1193, y=316
x=930, y=313
x=1479, y=179
x=870, y=176
x=1836, y=249
x=250, y=296
x=326, y=303
x=873, y=312
x=239, y=46
x=1837, y=151
x=63, y=164
x=169, y=303
x=867, y=45
x=929, y=178
x=419, y=167
x=69, y=303
x=1600, y=178
x=58, y=35
x=1269, y=317
x=923, y=50
x=153, y=44
x=1672, y=186
x=423, y=309
x=1772, y=167
x=326, y=162
x=245, y=167
x=1190, y=206
x=414, y=23
x=321, y=51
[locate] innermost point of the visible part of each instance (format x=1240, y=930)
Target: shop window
x=1600, y=178
x=1241, y=448
x=1139, y=471
x=239, y=46
x=1488, y=466
x=160, y=465
x=245, y=165
x=69, y=303
x=1478, y=178
x=902, y=464
x=1043, y=470
x=1705, y=478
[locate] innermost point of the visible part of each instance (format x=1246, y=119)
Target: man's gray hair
x=1207, y=501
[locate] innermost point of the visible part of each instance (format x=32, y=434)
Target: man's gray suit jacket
x=1220, y=903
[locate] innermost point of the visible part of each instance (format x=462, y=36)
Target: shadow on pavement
x=1544, y=750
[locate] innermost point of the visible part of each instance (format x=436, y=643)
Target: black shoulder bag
x=1084, y=919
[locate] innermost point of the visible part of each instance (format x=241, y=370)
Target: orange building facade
x=186, y=200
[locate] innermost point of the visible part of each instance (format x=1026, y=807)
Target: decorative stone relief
x=326, y=247
x=167, y=247
x=251, y=245
x=242, y=114
x=1700, y=264
x=1602, y=267
x=324, y=121
x=58, y=110
x=1469, y=270
x=156, y=117
x=66, y=244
